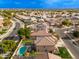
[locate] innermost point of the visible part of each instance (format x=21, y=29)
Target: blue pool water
x=39, y=4
x=22, y=50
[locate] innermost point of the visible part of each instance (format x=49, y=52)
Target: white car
x=66, y=32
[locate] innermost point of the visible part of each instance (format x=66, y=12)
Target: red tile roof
x=46, y=41
x=40, y=33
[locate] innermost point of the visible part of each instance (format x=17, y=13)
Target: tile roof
x=1, y=21
x=46, y=41
x=39, y=56
x=40, y=33
x=52, y=56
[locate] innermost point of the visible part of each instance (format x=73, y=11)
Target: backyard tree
x=24, y=32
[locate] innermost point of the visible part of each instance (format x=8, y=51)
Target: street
x=13, y=31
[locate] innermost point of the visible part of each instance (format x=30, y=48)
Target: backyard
x=29, y=47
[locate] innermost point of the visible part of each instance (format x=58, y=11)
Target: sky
x=51, y=4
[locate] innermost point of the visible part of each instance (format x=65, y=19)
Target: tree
x=7, y=45
x=10, y=44
x=67, y=22
x=21, y=32
x=51, y=31
x=24, y=32
x=6, y=22
x=76, y=34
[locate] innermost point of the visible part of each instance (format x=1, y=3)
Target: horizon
x=39, y=4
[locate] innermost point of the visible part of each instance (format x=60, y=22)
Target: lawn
x=27, y=41
x=2, y=32
x=64, y=53
x=33, y=53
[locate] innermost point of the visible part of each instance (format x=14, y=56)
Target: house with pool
x=42, y=47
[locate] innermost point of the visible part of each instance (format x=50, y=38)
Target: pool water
x=22, y=50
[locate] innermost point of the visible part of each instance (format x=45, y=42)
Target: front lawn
x=63, y=53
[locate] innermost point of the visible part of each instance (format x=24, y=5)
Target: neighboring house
x=1, y=21
x=32, y=14
x=23, y=17
x=39, y=27
x=44, y=16
x=42, y=26
x=33, y=19
x=44, y=41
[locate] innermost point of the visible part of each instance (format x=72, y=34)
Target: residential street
x=13, y=30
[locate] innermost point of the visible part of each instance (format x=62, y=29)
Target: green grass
x=63, y=53
x=33, y=53
x=27, y=41
x=2, y=32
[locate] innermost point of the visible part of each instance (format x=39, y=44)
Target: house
x=41, y=20
x=32, y=14
x=44, y=41
x=23, y=17
x=40, y=26
x=1, y=21
x=33, y=19
x=44, y=16
x=40, y=33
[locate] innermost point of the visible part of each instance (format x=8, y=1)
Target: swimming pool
x=22, y=50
